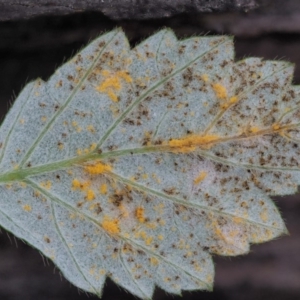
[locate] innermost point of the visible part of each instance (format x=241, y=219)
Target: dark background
x=34, y=47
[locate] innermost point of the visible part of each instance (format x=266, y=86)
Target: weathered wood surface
x=119, y=9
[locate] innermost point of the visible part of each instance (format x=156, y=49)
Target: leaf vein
x=182, y=202
x=13, y=126
x=69, y=250
x=223, y=111
x=130, y=274
x=149, y=91
x=64, y=106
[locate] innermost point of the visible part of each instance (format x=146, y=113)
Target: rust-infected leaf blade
x=139, y=164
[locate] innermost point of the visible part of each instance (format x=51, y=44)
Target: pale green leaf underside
x=139, y=164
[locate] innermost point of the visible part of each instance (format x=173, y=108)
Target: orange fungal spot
x=148, y=240
x=97, y=168
x=143, y=235
x=145, y=176
x=153, y=261
x=233, y=100
x=23, y=184
x=237, y=220
x=83, y=186
x=209, y=278
x=90, y=195
x=46, y=184
x=162, y=222
x=200, y=177
x=112, y=96
x=151, y=225
x=225, y=105
x=233, y=233
x=160, y=237
x=139, y=213
x=102, y=272
x=254, y=129
x=264, y=216
x=111, y=225
x=27, y=207
x=125, y=75
x=91, y=128
x=124, y=210
x=103, y=189
x=76, y=183
x=190, y=142
x=204, y=77
x=93, y=146
x=112, y=83
x=220, y=91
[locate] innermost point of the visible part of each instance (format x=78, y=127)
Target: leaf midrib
x=124, y=114
x=21, y=174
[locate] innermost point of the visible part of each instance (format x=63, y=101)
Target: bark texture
x=272, y=16
x=119, y=9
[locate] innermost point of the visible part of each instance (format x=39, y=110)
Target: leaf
x=140, y=164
